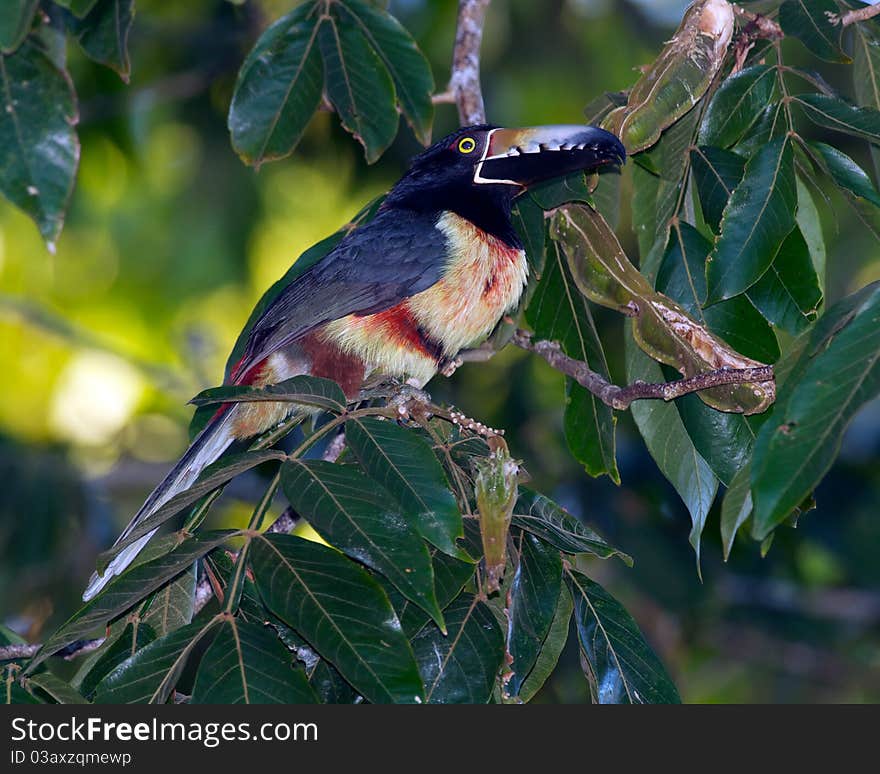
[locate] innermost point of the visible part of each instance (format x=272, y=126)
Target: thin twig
x=465, y=81
x=857, y=15
x=620, y=398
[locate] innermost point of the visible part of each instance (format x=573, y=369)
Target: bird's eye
x=467, y=144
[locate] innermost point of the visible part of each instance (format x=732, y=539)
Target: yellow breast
x=483, y=279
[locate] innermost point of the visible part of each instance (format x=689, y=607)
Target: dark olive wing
x=397, y=254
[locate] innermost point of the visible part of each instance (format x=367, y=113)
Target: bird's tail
x=207, y=447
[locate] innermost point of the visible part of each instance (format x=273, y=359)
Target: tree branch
x=857, y=15
x=465, y=81
x=760, y=26
x=620, y=398
x=12, y=652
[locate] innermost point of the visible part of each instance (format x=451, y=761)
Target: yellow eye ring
x=467, y=144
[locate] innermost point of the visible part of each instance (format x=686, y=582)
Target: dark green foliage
x=395, y=608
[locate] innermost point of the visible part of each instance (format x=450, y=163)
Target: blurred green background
x=170, y=240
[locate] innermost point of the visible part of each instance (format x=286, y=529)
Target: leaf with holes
x=405, y=465
x=622, y=668
x=460, y=667
x=247, y=664
x=278, y=88
x=341, y=611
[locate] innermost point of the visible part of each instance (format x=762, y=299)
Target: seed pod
x=679, y=77
x=495, y=487
x=661, y=327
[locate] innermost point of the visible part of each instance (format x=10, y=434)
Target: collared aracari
x=433, y=272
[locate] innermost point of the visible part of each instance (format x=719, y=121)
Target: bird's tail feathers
x=205, y=449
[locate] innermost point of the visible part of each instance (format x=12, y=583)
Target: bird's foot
x=450, y=366
x=410, y=399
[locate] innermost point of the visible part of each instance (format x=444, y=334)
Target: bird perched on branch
x=401, y=295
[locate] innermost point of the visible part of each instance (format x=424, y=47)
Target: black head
x=477, y=171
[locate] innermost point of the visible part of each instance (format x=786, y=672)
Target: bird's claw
x=450, y=366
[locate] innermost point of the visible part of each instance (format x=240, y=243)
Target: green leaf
x=213, y=476
x=835, y=374
x=16, y=17
x=39, y=149
x=103, y=34
x=528, y=220
x=757, y=219
x=622, y=667
x=341, y=611
x=354, y=514
x=866, y=72
x=670, y=444
x=658, y=176
x=405, y=465
x=124, y=640
x=542, y=517
x=807, y=20
x=558, y=312
x=312, y=391
x=717, y=173
x=771, y=125
x=846, y=173
x=682, y=277
x=151, y=674
x=278, y=88
x=357, y=84
x=174, y=604
x=406, y=64
x=77, y=7
x=247, y=664
x=736, y=106
x=788, y=294
x=552, y=648
x=531, y=605
x=450, y=576
x=460, y=667
x=736, y=507
x=553, y=193
x=833, y=113
x=127, y=590
x=60, y=691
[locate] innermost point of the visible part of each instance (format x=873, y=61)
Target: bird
x=432, y=273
